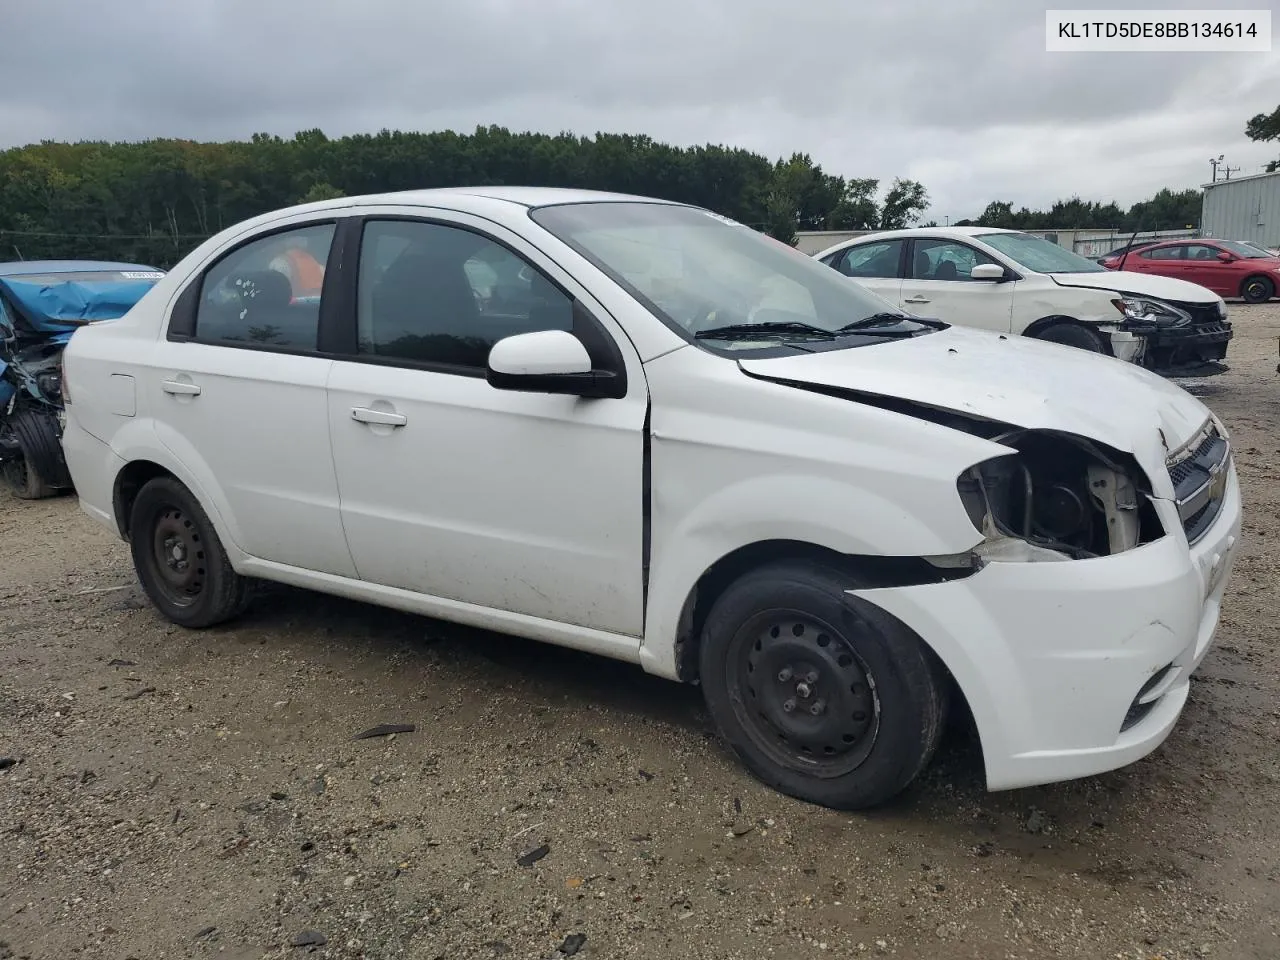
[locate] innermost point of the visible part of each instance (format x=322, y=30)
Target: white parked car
x=659, y=436
x=1012, y=282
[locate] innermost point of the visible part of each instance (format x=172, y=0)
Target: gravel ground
x=201, y=794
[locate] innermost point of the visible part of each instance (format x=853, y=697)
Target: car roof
x=19, y=268
x=521, y=196
x=481, y=200
x=954, y=233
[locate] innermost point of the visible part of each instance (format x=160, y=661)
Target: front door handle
x=365, y=415
x=180, y=388
x=916, y=299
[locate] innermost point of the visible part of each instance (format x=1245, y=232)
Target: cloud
x=962, y=96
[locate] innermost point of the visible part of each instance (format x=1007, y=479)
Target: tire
x=822, y=696
x=179, y=559
x=1257, y=289
x=39, y=470
x=1073, y=335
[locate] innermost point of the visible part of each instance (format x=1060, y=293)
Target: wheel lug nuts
x=819, y=707
x=789, y=705
x=811, y=676
x=784, y=674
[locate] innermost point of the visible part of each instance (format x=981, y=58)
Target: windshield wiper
x=745, y=331
x=884, y=319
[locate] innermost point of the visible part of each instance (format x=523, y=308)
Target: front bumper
x=1077, y=667
x=1200, y=347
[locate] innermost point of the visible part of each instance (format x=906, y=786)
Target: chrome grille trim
x=1199, y=471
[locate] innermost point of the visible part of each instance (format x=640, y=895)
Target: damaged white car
x=638, y=429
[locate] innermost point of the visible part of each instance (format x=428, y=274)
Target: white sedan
x=1013, y=282
x=639, y=429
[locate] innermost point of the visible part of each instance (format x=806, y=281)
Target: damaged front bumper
x=1077, y=667
x=1198, y=349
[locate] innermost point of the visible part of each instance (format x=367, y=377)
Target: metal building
x=1245, y=208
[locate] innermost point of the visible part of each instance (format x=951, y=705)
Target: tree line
x=1167, y=210
x=153, y=201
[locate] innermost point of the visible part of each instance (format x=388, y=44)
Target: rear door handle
x=179, y=388
x=916, y=299
x=365, y=415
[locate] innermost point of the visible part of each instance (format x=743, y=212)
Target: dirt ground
x=201, y=794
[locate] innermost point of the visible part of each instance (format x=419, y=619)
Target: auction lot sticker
x=1141, y=31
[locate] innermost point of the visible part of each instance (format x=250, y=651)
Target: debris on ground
x=573, y=943
x=385, y=729
x=309, y=938
x=530, y=857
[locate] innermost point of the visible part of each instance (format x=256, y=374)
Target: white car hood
x=1015, y=380
x=1148, y=284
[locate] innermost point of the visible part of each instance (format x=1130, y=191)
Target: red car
x=1229, y=268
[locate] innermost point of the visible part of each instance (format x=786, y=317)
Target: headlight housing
x=1059, y=497
x=1149, y=310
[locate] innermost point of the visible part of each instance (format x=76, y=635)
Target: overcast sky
x=959, y=94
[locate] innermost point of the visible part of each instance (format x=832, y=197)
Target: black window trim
x=337, y=331
x=602, y=347
x=181, y=326
x=909, y=260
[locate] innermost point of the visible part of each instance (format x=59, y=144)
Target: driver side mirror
x=547, y=361
x=987, y=271
x=1225, y=257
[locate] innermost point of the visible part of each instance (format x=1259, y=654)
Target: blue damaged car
x=42, y=302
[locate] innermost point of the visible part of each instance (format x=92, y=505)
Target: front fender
x=818, y=511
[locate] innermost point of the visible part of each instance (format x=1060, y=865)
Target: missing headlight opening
x=1059, y=497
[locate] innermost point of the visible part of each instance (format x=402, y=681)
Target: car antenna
x=1125, y=256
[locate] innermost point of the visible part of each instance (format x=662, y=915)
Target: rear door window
x=267, y=293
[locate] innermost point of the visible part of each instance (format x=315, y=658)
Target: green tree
x=1265, y=127
x=152, y=201
x=903, y=205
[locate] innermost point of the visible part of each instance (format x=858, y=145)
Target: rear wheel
x=179, y=559
x=822, y=696
x=1073, y=335
x=1257, y=289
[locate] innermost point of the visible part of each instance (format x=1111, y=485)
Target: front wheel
x=822, y=696
x=179, y=558
x=1073, y=335
x=1257, y=290
x=35, y=468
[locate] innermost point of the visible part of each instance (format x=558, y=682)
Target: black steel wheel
x=1257, y=289
x=178, y=555
x=822, y=695
x=808, y=699
x=179, y=560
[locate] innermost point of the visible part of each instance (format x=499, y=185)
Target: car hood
x=1143, y=284
x=1013, y=380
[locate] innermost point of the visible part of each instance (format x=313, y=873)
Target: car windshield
x=1245, y=251
x=712, y=279
x=1039, y=255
